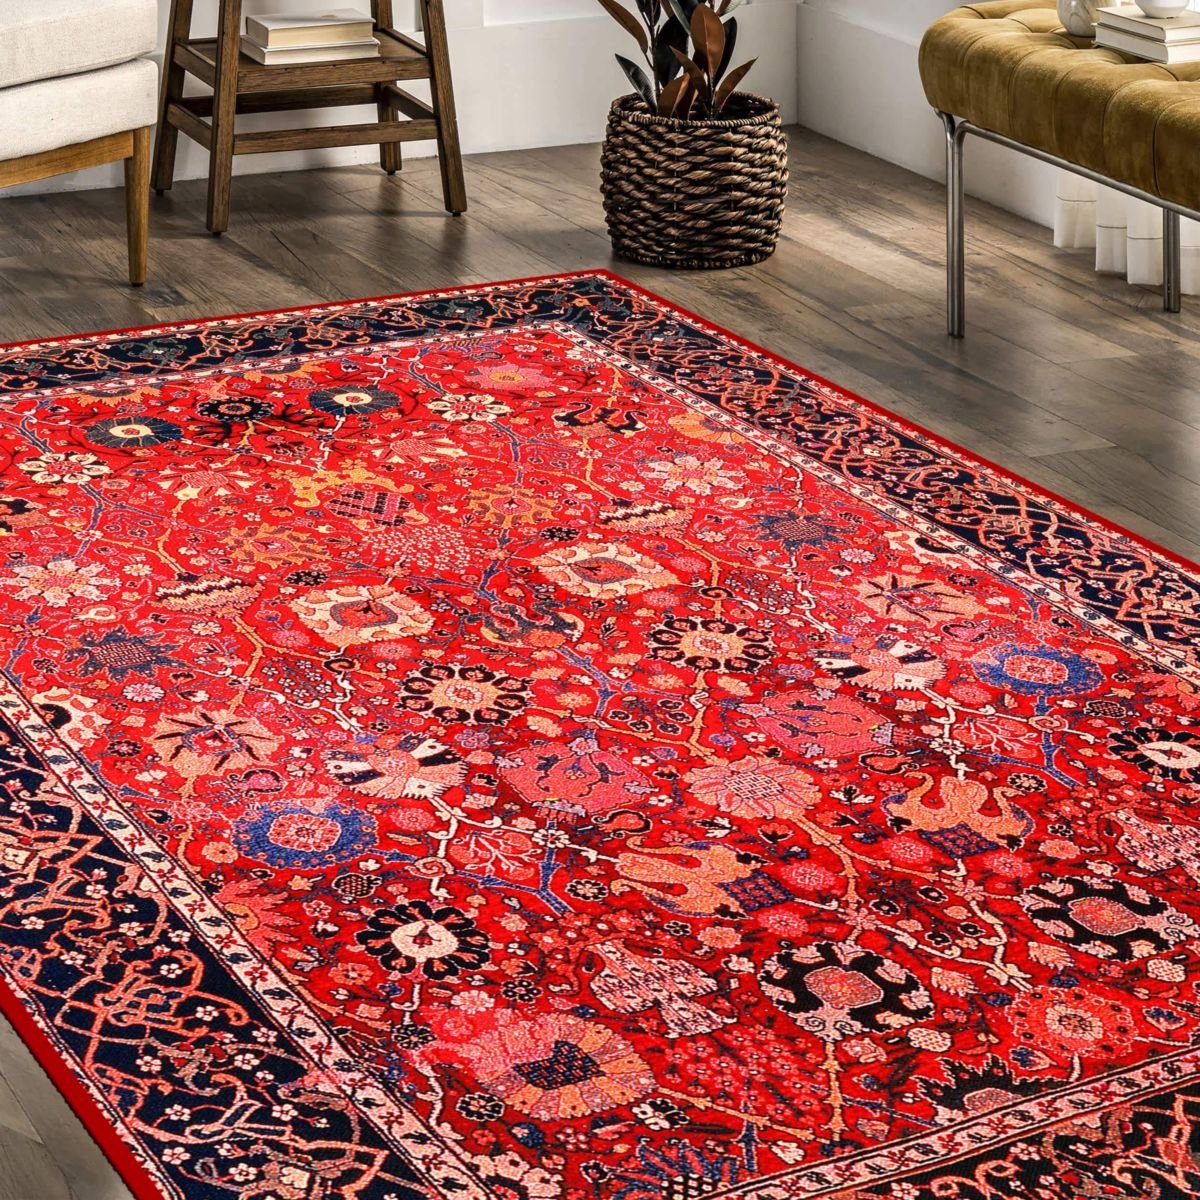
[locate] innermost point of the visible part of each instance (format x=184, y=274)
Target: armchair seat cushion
x=51, y=113
x=43, y=39
x=1010, y=67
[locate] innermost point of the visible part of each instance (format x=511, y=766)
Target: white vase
x=1079, y=16
x=1162, y=8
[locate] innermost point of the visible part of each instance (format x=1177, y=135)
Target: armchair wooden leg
x=137, y=204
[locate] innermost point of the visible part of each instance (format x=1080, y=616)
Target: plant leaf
x=727, y=6
x=731, y=36
x=708, y=36
x=696, y=77
x=682, y=11
x=628, y=22
x=672, y=36
x=638, y=78
x=730, y=85
x=670, y=96
x=686, y=102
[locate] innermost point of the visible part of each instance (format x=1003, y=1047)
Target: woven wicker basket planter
x=695, y=194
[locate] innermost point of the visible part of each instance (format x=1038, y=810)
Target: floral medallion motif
x=461, y=693
x=133, y=432
x=1037, y=670
x=479, y=407
x=351, y=615
x=835, y=990
x=59, y=582
x=350, y=401
x=604, y=569
x=1071, y=1023
x=303, y=839
x=410, y=769
x=1107, y=918
x=1170, y=753
x=550, y=1067
x=710, y=644
x=438, y=942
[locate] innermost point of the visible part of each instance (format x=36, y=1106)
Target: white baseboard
x=859, y=84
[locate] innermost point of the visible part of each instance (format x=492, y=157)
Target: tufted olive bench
x=1009, y=73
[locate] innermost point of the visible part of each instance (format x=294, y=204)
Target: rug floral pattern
x=520, y=744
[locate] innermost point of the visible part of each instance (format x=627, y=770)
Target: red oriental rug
x=523, y=743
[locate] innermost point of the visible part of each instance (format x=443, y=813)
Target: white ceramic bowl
x=1163, y=8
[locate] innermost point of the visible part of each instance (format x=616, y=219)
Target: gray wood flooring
x=1079, y=382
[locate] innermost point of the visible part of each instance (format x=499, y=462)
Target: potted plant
x=694, y=172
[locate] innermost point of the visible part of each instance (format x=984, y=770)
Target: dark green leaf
x=731, y=34
x=682, y=11
x=671, y=37
x=638, y=78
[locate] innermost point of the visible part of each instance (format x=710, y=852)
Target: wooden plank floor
x=1077, y=381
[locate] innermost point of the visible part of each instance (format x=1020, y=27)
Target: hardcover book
x=1130, y=19
x=1148, y=48
x=277, y=30
x=304, y=55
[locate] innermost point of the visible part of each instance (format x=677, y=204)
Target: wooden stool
x=241, y=85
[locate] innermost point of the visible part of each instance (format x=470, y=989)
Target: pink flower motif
x=701, y=477
x=59, y=582
x=755, y=787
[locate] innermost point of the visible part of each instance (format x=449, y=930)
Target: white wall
x=859, y=83
x=541, y=73
x=526, y=73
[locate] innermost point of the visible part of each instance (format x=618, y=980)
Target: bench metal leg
x=1172, y=263
x=957, y=132
x=956, y=264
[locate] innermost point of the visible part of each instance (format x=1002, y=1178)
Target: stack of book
x=1156, y=39
x=277, y=39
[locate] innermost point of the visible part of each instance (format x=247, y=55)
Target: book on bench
x=1171, y=30
x=1147, y=48
x=275, y=31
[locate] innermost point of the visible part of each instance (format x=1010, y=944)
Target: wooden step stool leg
x=390, y=154
x=224, y=118
x=178, y=29
x=454, y=186
x=137, y=204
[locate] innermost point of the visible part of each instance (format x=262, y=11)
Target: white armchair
x=76, y=90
